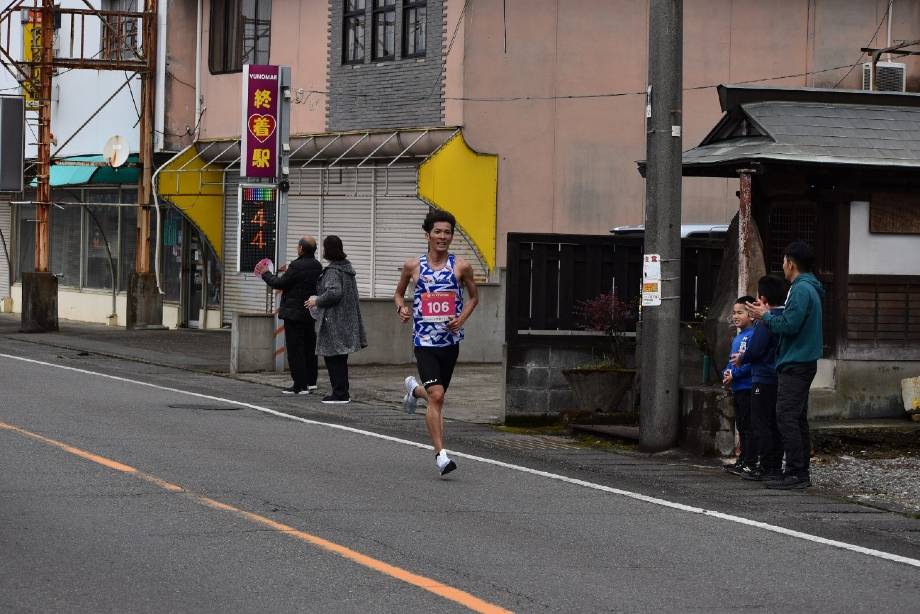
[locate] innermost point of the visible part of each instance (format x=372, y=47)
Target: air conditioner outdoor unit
x=889, y=76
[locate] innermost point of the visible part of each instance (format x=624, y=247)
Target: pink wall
x=180, y=76
x=568, y=165
x=299, y=33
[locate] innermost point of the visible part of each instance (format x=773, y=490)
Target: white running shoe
x=444, y=463
x=410, y=402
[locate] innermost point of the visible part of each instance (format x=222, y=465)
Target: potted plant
x=697, y=330
x=600, y=384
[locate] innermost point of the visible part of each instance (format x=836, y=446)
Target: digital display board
x=258, y=224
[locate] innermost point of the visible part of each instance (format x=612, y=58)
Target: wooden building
x=841, y=170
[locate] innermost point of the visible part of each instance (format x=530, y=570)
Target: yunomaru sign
x=261, y=104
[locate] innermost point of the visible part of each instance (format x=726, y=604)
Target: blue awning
x=67, y=175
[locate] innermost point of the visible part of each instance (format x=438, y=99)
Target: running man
x=438, y=313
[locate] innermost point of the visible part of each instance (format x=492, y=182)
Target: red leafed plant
x=607, y=314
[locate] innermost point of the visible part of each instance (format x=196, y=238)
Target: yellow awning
x=196, y=188
x=464, y=182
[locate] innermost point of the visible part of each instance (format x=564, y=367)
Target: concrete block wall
x=861, y=389
x=398, y=93
x=534, y=384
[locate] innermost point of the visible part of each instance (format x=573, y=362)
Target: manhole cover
x=203, y=407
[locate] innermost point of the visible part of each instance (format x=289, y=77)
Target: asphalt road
x=120, y=497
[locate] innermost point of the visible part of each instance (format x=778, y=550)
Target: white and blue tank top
x=438, y=296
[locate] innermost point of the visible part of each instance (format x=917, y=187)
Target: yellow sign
x=31, y=49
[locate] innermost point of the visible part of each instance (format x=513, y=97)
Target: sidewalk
x=475, y=391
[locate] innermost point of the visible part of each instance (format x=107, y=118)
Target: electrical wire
x=596, y=95
x=859, y=59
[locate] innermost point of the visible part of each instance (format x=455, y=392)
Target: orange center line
x=433, y=586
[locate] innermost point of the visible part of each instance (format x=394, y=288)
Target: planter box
x=599, y=390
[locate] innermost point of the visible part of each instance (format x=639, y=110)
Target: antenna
x=115, y=151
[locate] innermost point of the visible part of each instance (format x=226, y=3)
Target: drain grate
x=535, y=442
x=200, y=407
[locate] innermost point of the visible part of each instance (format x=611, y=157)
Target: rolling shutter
x=398, y=226
x=6, y=248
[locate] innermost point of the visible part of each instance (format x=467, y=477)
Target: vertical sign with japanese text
x=259, y=142
x=651, y=280
x=258, y=220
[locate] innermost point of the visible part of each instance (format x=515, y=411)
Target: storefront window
x=128, y=243
x=215, y=278
x=101, y=244
x=65, y=244
x=171, y=254
x=25, y=239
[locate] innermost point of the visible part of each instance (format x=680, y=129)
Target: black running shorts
x=436, y=364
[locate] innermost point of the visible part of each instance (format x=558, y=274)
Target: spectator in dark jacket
x=298, y=283
x=339, y=328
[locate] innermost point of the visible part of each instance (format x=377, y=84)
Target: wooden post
x=744, y=232
x=145, y=156
x=43, y=193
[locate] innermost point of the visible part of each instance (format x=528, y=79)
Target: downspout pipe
x=198, y=27
x=155, y=183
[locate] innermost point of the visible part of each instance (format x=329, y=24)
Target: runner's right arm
x=408, y=273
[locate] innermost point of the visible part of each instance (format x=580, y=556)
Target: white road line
x=553, y=476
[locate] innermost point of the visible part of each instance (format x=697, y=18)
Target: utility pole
x=145, y=304
x=39, y=289
x=660, y=409
x=120, y=52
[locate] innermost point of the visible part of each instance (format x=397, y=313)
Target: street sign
x=651, y=280
x=261, y=103
x=258, y=215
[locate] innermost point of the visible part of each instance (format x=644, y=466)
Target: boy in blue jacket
x=739, y=379
x=761, y=356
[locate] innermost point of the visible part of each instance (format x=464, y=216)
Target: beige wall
x=299, y=33
x=568, y=165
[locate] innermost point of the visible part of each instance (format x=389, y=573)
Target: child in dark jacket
x=738, y=378
x=760, y=354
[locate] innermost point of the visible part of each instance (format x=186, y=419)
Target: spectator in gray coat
x=339, y=329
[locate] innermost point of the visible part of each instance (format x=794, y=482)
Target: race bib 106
x=438, y=306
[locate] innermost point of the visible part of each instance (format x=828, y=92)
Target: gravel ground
x=879, y=481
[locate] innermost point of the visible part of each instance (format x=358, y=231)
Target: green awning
x=65, y=175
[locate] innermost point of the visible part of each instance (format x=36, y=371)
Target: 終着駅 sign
x=259, y=143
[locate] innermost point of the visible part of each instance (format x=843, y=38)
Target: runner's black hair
x=438, y=215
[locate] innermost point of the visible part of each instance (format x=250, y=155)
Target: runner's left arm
x=472, y=293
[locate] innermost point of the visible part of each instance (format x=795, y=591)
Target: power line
x=595, y=95
x=859, y=59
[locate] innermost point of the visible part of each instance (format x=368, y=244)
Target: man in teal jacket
x=801, y=344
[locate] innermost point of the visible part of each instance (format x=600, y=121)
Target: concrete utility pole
x=660, y=409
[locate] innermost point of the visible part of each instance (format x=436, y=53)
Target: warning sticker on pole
x=651, y=293
x=651, y=280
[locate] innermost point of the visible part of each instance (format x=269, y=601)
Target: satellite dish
x=115, y=151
